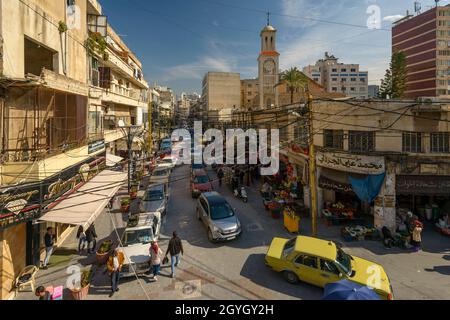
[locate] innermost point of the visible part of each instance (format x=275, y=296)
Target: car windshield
x=167, y=160
x=289, y=247
x=132, y=237
x=160, y=173
x=154, y=195
x=344, y=261
x=221, y=211
x=201, y=179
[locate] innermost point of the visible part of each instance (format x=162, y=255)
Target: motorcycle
x=240, y=192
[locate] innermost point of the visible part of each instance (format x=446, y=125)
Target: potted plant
x=125, y=205
x=85, y=283
x=133, y=192
x=275, y=209
x=102, y=253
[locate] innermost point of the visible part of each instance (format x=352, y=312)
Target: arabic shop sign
x=96, y=145
x=329, y=184
x=351, y=163
x=423, y=185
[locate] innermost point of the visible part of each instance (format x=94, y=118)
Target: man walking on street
x=220, y=176
x=91, y=237
x=175, y=249
x=49, y=239
x=115, y=263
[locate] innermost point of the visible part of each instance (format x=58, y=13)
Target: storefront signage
x=423, y=185
x=351, y=163
x=96, y=145
x=22, y=203
x=329, y=184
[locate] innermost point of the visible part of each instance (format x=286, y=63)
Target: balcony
x=110, y=96
x=96, y=6
x=116, y=63
x=113, y=135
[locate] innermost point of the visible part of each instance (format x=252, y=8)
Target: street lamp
x=131, y=132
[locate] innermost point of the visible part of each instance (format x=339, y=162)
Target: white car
x=136, y=241
x=169, y=161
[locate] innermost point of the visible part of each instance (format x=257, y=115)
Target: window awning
x=112, y=160
x=84, y=206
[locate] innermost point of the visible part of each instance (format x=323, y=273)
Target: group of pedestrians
x=87, y=239
x=157, y=258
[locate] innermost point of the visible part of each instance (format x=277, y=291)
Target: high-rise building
x=339, y=77
x=425, y=39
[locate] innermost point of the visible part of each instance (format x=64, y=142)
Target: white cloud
x=393, y=18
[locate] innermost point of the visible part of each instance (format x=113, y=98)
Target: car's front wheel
x=290, y=277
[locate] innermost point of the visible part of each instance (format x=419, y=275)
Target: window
x=353, y=70
x=412, y=142
x=343, y=70
x=334, y=79
x=440, y=142
x=352, y=89
x=308, y=261
x=344, y=80
x=334, y=89
x=316, y=79
x=353, y=79
x=361, y=141
x=363, y=80
x=333, y=70
x=301, y=135
x=329, y=267
x=333, y=139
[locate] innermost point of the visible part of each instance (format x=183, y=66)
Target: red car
x=200, y=183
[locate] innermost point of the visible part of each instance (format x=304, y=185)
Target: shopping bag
x=58, y=293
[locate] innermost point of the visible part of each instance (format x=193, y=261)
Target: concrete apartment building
x=339, y=77
x=55, y=96
x=424, y=39
x=374, y=90
x=221, y=94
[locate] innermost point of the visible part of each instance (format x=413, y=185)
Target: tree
x=394, y=83
x=294, y=79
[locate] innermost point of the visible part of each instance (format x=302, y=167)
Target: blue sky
x=178, y=41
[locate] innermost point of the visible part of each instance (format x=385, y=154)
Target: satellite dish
x=121, y=123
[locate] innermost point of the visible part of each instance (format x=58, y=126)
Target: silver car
x=155, y=198
x=218, y=217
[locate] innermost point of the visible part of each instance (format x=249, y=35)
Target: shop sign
x=351, y=163
x=96, y=145
x=22, y=203
x=426, y=185
x=329, y=184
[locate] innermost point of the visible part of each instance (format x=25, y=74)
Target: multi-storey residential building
x=339, y=77
x=57, y=88
x=221, y=94
x=425, y=39
x=166, y=112
x=374, y=90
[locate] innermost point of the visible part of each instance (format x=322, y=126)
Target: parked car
x=155, y=198
x=136, y=240
x=218, y=216
x=168, y=161
x=320, y=262
x=197, y=166
x=200, y=182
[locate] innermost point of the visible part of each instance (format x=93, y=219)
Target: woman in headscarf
x=155, y=259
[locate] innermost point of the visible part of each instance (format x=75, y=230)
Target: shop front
x=21, y=236
x=427, y=196
x=348, y=185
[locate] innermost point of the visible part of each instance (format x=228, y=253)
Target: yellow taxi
x=320, y=262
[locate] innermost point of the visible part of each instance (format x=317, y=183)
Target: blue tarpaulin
x=367, y=189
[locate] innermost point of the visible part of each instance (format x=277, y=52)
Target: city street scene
x=224, y=150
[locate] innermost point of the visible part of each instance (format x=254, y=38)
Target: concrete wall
x=223, y=90
x=18, y=21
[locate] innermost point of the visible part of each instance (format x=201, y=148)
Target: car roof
x=157, y=187
x=145, y=221
x=214, y=197
x=316, y=247
x=199, y=172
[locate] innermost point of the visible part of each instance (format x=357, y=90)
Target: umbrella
x=348, y=290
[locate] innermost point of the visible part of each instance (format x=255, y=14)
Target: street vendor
x=266, y=188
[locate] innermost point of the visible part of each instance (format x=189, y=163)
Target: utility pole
x=312, y=168
x=150, y=129
x=129, y=145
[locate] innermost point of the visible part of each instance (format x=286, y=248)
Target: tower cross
x=268, y=18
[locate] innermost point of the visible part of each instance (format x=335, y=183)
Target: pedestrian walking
x=220, y=175
x=81, y=236
x=115, y=263
x=91, y=238
x=175, y=248
x=155, y=259
x=49, y=240
x=416, y=236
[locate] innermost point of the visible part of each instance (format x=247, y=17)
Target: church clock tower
x=268, y=66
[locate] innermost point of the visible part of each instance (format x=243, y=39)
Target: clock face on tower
x=269, y=67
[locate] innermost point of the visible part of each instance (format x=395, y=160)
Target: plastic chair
x=29, y=270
